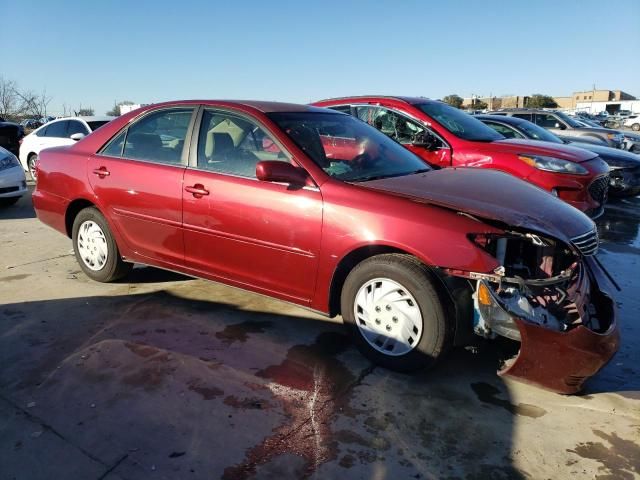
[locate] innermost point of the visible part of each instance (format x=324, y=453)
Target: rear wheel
x=31, y=165
x=95, y=248
x=394, y=313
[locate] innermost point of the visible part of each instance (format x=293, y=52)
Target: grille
x=587, y=243
x=9, y=189
x=599, y=188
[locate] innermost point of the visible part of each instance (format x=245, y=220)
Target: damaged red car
x=444, y=136
x=315, y=207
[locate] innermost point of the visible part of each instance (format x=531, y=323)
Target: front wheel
x=394, y=313
x=95, y=248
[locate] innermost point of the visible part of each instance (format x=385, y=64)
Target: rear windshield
x=97, y=124
x=459, y=123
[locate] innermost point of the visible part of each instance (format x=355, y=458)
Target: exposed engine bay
x=540, y=280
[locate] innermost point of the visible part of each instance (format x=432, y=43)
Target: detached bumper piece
x=624, y=181
x=565, y=338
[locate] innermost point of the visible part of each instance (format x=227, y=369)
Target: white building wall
x=595, y=107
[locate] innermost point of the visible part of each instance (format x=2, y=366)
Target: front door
x=250, y=233
x=137, y=179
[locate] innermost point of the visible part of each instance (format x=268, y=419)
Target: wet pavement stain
x=487, y=393
x=206, y=392
x=239, y=331
x=12, y=278
x=621, y=460
x=311, y=385
x=246, y=403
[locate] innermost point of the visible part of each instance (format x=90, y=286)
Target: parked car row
x=61, y=132
x=420, y=225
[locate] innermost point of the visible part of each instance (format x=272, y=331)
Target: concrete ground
x=166, y=377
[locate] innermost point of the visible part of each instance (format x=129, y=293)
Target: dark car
x=562, y=124
x=624, y=178
x=10, y=136
x=318, y=208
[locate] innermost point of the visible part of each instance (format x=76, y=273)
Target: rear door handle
x=101, y=172
x=197, y=190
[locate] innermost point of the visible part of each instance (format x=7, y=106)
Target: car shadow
x=282, y=391
x=22, y=209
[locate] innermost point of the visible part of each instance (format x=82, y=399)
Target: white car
x=13, y=183
x=58, y=133
x=633, y=121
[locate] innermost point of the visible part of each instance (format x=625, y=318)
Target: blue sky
x=93, y=53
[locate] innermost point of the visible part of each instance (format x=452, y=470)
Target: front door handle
x=197, y=190
x=101, y=172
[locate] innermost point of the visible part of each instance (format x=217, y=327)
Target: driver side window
x=392, y=124
x=505, y=131
x=231, y=144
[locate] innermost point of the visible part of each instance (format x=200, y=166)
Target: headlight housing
x=552, y=164
x=9, y=161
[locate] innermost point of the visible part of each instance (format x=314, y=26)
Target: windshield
x=96, y=125
x=535, y=132
x=459, y=123
x=347, y=148
x=568, y=120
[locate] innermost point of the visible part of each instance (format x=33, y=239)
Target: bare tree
x=34, y=104
x=8, y=97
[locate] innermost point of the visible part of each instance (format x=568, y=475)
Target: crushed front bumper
x=624, y=182
x=563, y=361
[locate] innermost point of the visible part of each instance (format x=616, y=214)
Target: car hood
x=615, y=157
x=537, y=147
x=491, y=195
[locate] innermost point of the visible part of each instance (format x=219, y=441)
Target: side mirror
x=283, y=172
x=77, y=136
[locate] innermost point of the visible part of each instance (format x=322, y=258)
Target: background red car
x=318, y=208
x=447, y=137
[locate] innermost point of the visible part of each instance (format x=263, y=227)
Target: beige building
x=592, y=96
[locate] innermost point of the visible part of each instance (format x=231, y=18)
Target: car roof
x=370, y=98
x=260, y=105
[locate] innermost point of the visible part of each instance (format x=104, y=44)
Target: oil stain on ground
x=621, y=460
x=310, y=384
x=239, y=331
x=487, y=393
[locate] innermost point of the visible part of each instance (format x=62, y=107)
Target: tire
x=394, y=313
x=95, y=248
x=8, y=201
x=31, y=166
x=635, y=127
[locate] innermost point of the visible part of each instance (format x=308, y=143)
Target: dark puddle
x=239, y=331
x=311, y=385
x=487, y=393
x=246, y=403
x=15, y=277
x=621, y=460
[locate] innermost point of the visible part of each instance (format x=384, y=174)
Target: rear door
x=137, y=178
x=241, y=230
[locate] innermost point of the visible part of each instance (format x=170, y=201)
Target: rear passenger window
x=114, y=148
x=57, y=129
x=158, y=137
x=234, y=145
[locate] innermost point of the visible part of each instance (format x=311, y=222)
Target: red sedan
x=446, y=137
x=317, y=208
